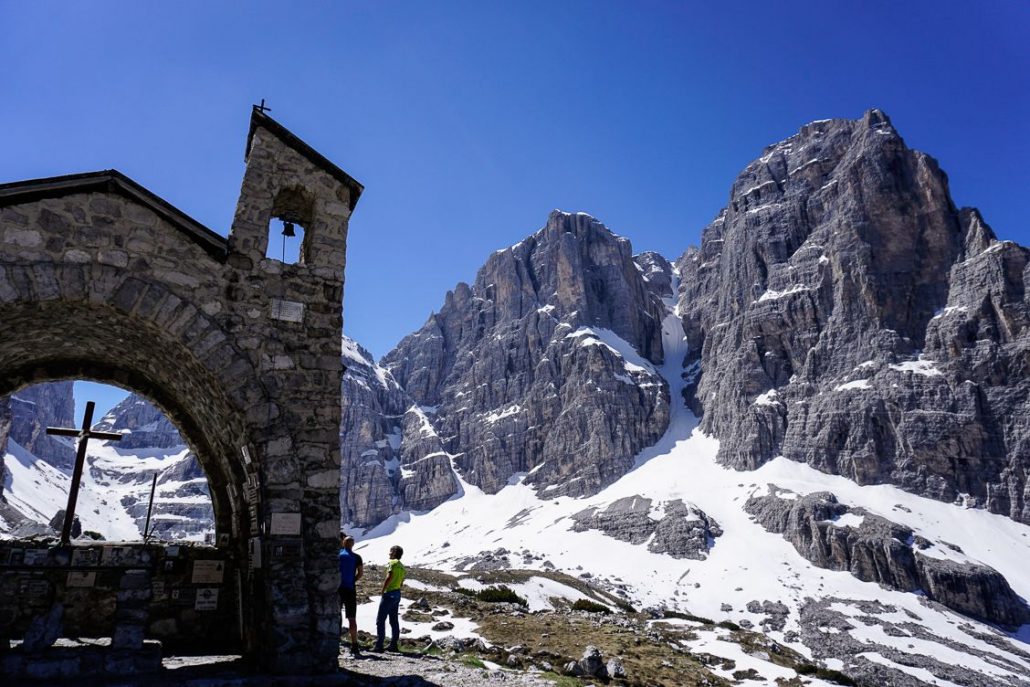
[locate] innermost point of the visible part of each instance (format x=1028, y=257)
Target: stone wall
x=184, y=595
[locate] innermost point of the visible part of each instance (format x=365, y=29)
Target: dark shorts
x=349, y=602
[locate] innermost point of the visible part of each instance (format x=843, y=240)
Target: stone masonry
x=101, y=279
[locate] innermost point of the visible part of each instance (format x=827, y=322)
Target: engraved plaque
x=86, y=557
x=285, y=523
x=36, y=556
x=82, y=579
x=287, y=311
x=208, y=572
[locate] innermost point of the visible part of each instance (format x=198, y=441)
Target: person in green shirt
x=390, y=603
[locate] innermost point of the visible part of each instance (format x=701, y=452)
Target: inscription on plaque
x=207, y=600
x=36, y=556
x=285, y=523
x=183, y=597
x=85, y=557
x=208, y=572
x=287, y=311
x=81, y=579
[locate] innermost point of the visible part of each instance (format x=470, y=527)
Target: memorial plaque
x=207, y=600
x=36, y=556
x=5, y=556
x=86, y=557
x=119, y=556
x=172, y=551
x=223, y=539
x=285, y=523
x=287, y=311
x=208, y=572
x=17, y=557
x=183, y=596
x=157, y=591
x=81, y=579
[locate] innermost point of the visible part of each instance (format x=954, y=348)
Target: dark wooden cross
x=262, y=108
x=83, y=435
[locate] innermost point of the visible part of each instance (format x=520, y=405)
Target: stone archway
x=101, y=279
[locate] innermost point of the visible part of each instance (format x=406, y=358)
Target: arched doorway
x=101, y=279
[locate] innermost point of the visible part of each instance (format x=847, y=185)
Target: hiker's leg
x=353, y=630
x=384, y=609
x=395, y=624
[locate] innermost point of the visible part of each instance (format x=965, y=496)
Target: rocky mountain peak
x=826, y=308
x=544, y=335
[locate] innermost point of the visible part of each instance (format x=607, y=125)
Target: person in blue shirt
x=351, y=570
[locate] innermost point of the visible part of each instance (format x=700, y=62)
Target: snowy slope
x=746, y=563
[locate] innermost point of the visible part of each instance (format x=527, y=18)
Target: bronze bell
x=288, y=229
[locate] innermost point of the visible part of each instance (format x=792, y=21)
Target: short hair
x=343, y=535
x=348, y=542
x=398, y=550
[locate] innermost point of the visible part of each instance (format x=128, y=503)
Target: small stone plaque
x=36, y=556
x=285, y=523
x=207, y=600
x=81, y=579
x=208, y=572
x=183, y=596
x=85, y=557
x=157, y=591
x=119, y=555
x=287, y=311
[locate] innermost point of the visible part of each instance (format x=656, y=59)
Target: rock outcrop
x=842, y=312
x=672, y=527
x=545, y=365
x=832, y=535
x=392, y=458
x=33, y=410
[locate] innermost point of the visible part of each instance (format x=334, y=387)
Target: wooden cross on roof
x=83, y=435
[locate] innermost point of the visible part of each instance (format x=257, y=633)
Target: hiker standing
x=351, y=570
x=389, y=604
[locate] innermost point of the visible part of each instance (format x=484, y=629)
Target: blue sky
x=469, y=121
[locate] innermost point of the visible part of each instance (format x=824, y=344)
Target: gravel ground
x=416, y=670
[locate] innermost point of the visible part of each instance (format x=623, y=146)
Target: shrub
x=590, y=607
x=730, y=625
x=500, y=594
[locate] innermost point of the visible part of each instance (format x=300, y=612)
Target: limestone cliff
x=844, y=313
x=544, y=366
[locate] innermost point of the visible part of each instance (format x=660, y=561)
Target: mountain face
x=842, y=312
x=546, y=364
x=38, y=407
x=118, y=475
x=392, y=458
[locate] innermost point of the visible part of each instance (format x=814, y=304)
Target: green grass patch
x=590, y=607
x=562, y=680
x=824, y=674
x=473, y=661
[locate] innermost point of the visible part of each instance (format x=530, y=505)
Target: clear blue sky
x=469, y=121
